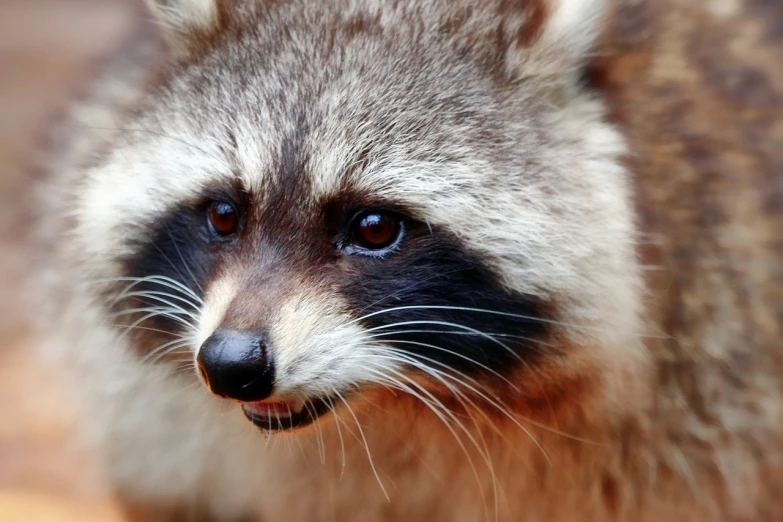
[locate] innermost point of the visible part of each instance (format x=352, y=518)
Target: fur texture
x=470, y=121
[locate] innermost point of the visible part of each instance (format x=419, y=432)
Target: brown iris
x=376, y=230
x=223, y=218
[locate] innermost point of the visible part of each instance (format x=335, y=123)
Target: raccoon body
x=374, y=260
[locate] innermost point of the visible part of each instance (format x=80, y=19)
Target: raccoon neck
x=483, y=464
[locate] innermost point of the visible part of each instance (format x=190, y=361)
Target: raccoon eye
x=223, y=218
x=376, y=230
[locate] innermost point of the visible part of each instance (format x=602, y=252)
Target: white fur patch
x=216, y=302
x=318, y=349
x=167, y=168
x=568, y=33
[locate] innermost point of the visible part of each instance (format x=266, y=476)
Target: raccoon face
x=326, y=199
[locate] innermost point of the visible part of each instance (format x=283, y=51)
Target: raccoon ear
x=549, y=38
x=182, y=20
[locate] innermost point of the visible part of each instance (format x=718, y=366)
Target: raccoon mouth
x=282, y=415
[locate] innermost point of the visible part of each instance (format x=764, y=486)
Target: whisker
x=466, y=334
x=439, y=409
x=478, y=332
x=154, y=294
x=171, y=313
x=484, y=311
x=454, y=325
x=460, y=396
x=183, y=368
x=332, y=408
x=451, y=352
x=319, y=440
x=462, y=400
x=154, y=313
x=172, y=307
x=178, y=343
x=494, y=401
x=146, y=328
x=366, y=445
x=157, y=279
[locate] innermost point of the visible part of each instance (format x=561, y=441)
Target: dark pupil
x=223, y=218
x=376, y=231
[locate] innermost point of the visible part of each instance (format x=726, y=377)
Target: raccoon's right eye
x=223, y=218
x=374, y=231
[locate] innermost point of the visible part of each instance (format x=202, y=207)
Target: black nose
x=237, y=365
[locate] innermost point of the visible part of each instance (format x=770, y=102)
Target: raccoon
x=374, y=260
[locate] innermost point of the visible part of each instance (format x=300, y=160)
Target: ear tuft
x=550, y=38
x=182, y=19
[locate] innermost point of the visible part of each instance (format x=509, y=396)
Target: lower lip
x=275, y=416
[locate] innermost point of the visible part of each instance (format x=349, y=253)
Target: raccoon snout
x=237, y=365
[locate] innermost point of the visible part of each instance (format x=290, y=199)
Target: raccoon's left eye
x=223, y=218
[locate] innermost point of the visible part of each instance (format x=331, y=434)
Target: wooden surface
x=47, y=50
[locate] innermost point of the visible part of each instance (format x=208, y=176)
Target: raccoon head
x=326, y=199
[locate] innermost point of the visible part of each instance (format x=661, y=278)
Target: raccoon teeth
x=297, y=406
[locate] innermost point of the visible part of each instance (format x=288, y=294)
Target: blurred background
x=48, y=51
